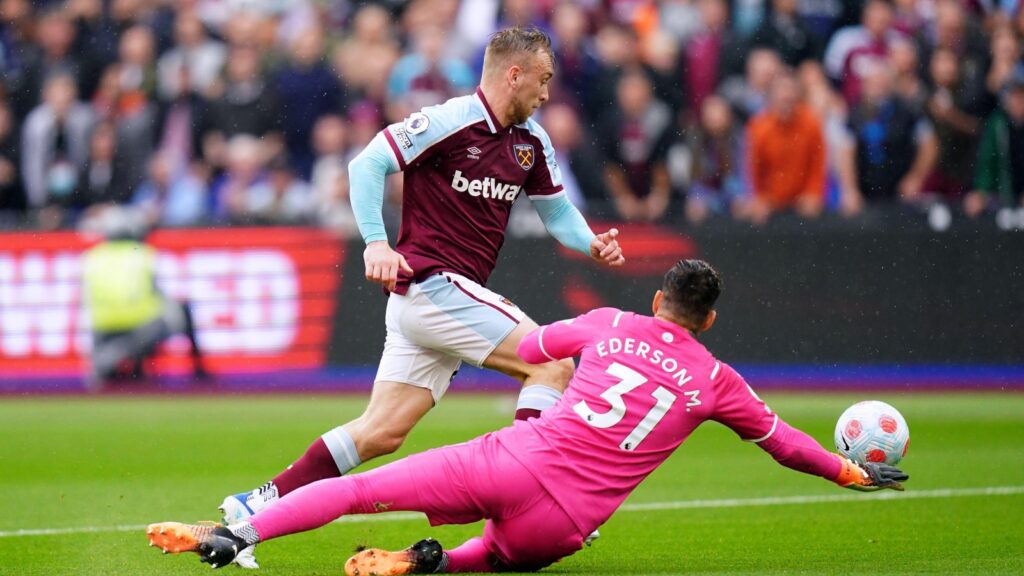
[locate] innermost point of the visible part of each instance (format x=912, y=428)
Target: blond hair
x=507, y=47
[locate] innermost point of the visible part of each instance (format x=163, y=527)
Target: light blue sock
x=342, y=448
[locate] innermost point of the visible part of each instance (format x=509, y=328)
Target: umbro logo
x=474, y=152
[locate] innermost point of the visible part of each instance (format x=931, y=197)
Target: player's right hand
x=871, y=476
x=605, y=248
x=383, y=263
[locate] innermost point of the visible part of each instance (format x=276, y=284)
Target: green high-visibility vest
x=119, y=288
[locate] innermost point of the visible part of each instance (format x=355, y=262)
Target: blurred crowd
x=210, y=112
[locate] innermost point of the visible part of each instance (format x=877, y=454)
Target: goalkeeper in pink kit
x=642, y=386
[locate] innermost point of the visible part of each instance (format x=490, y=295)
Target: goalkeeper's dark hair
x=690, y=289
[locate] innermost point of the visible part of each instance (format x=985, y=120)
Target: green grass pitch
x=92, y=470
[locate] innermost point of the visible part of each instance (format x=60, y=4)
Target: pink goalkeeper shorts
x=526, y=529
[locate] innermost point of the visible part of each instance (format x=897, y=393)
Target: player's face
x=532, y=88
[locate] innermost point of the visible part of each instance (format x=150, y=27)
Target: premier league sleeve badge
x=416, y=123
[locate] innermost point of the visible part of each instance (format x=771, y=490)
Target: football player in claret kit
x=643, y=385
x=465, y=162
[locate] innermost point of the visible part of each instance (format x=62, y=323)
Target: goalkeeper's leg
x=423, y=482
x=526, y=531
x=430, y=482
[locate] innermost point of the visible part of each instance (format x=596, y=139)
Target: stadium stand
x=207, y=112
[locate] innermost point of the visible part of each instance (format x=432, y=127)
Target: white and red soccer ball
x=872, y=431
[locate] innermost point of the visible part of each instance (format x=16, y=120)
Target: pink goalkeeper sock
x=472, y=556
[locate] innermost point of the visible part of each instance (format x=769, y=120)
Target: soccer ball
x=872, y=431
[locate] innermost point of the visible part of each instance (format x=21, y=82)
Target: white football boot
x=239, y=507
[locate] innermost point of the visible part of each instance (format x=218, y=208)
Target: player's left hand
x=605, y=248
x=871, y=476
x=885, y=476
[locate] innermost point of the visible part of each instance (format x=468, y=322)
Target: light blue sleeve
x=366, y=173
x=564, y=221
x=414, y=139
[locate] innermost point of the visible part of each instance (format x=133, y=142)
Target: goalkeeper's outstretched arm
x=739, y=408
x=795, y=449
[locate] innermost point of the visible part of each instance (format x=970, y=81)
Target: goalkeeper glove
x=870, y=476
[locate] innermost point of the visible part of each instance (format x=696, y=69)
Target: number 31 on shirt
x=629, y=380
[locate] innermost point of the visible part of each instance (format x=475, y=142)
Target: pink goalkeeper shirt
x=642, y=386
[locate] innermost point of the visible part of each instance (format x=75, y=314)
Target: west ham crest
x=524, y=155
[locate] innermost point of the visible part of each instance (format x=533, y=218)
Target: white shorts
x=439, y=323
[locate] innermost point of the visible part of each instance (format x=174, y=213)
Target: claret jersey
x=463, y=171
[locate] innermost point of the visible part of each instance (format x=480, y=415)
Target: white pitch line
x=790, y=500
x=356, y=519
x=651, y=506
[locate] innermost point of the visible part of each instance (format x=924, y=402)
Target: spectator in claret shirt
x=999, y=178
x=786, y=156
x=855, y=49
x=635, y=136
x=711, y=54
x=891, y=148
